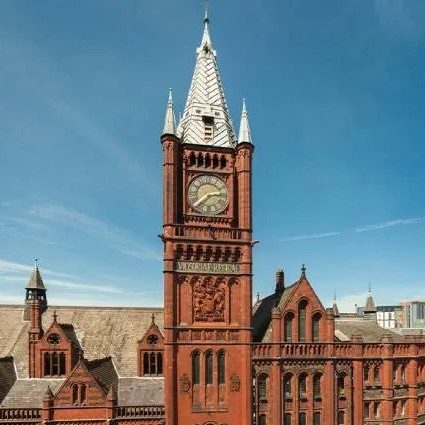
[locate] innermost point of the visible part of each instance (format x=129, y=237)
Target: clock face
x=208, y=195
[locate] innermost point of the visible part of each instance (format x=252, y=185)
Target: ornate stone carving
x=184, y=383
x=209, y=300
x=235, y=382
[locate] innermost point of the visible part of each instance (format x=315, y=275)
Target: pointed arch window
x=317, y=386
x=302, y=313
x=196, y=360
x=366, y=374
x=287, y=327
x=302, y=419
x=341, y=385
x=79, y=394
x=317, y=418
x=341, y=417
x=315, y=331
x=209, y=368
x=302, y=386
x=376, y=374
x=287, y=386
x=287, y=419
x=262, y=387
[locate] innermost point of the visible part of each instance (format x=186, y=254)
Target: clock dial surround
x=208, y=194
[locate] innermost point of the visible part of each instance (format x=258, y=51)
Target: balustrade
x=19, y=414
x=140, y=412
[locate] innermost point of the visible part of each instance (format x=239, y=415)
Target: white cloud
x=311, y=236
x=113, y=236
x=392, y=223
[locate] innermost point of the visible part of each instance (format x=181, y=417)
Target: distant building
x=389, y=317
x=413, y=314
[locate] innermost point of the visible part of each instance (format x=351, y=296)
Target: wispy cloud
x=360, y=229
x=16, y=272
x=392, y=223
x=311, y=236
x=113, y=236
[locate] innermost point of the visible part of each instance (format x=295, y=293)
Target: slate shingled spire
x=206, y=119
x=170, y=117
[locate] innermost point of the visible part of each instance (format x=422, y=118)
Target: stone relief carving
x=235, y=382
x=184, y=383
x=209, y=300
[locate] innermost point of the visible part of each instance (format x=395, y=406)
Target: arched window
x=287, y=419
x=287, y=327
x=209, y=367
x=315, y=327
x=54, y=364
x=262, y=387
x=287, y=386
x=207, y=160
x=302, y=386
x=317, y=386
x=366, y=409
x=302, y=311
x=402, y=372
x=317, y=418
x=215, y=161
x=366, y=374
x=341, y=385
x=302, y=419
x=376, y=373
x=195, y=367
x=221, y=360
x=83, y=394
x=341, y=417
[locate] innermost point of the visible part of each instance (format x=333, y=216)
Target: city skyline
x=83, y=107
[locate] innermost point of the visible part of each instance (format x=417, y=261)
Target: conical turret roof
x=35, y=282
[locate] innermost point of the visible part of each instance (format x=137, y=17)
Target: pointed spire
x=370, y=303
x=335, y=307
x=153, y=319
x=48, y=394
x=170, y=117
x=206, y=119
x=244, y=131
x=36, y=281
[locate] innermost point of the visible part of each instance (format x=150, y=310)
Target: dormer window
x=208, y=127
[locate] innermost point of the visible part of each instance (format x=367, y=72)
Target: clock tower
x=207, y=235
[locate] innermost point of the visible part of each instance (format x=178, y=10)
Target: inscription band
x=213, y=268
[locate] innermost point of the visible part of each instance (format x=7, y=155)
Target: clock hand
x=201, y=199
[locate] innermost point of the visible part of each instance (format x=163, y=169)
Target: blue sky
x=335, y=91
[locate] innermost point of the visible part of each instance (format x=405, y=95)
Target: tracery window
x=302, y=310
x=196, y=360
x=287, y=327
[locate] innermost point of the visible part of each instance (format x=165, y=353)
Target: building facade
x=209, y=356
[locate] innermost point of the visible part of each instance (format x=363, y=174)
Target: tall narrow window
x=288, y=327
x=317, y=386
x=287, y=386
x=302, y=309
x=376, y=374
x=366, y=374
x=195, y=367
x=317, y=418
x=75, y=394
x=262, y=387
x=315, y=331
x=341, y=385
x=302, y=419
x=145, y=363
x=287, y=419
x=209, y=367
x=221, y=367
x=55, y=364
x=83, y=394
x=62, y=370
x=262, y=420
x=47, y=364
x=152, y=363
x=377, y=410
x=341, y=417
x=302, y=386
x=366, y=410
x=159, y=363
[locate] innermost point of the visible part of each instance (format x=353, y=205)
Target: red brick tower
x=207, y=236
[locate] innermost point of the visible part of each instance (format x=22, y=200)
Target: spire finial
x=206, y=39
x=36, y=263
x=303, y=269
x=258, y=296
x=153, y=318
x=55, y=316
x=170, y=117
x=206, y=19
x=370, y=287
x=244, y=130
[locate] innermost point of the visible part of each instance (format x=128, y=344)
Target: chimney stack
x=280, y=281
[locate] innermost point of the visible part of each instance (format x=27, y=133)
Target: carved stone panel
x=235, y=382
x=209, y=300
x=184, y=383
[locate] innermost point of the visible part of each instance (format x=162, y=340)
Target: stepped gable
x=369, y=330
x=100, y=331
x=7, y=376
x=141, y=391
x=29, y=393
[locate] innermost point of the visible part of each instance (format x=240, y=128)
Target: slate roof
x=101, y=332
x=29, y=393
x=7, y=376
x=262, y=312
x=140, y=391
x=104, y=372
x=369, y=329
x=36, y=282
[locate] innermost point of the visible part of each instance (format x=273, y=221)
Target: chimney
x=280, y=281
